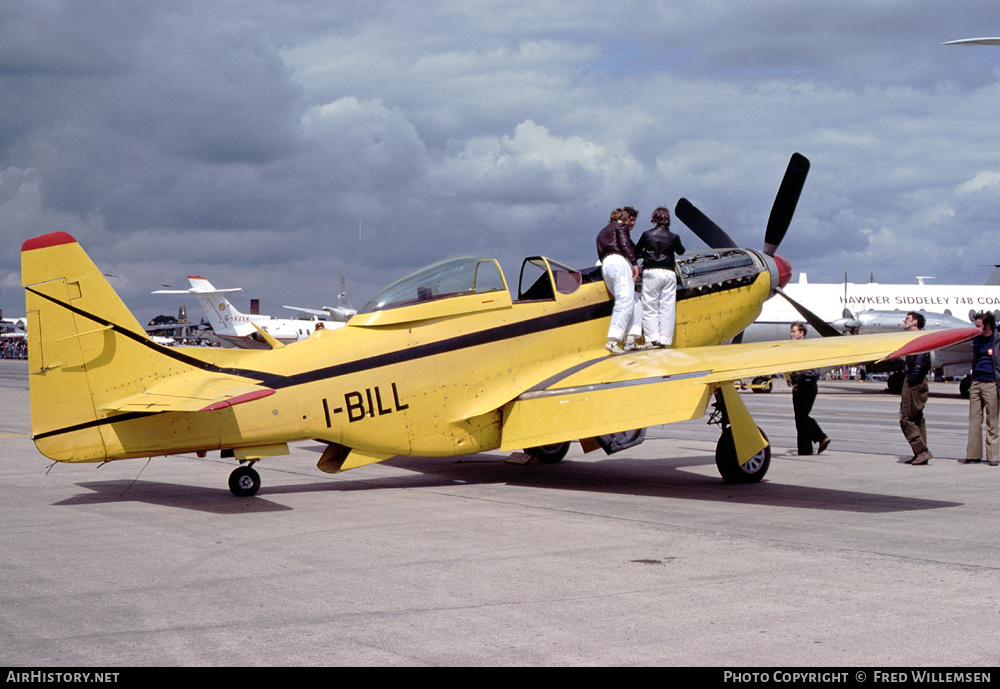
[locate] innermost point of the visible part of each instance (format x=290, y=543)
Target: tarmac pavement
x=849, y=558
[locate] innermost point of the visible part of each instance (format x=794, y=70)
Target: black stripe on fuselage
x=94, y=424
x=510, y=331
x=500, y=333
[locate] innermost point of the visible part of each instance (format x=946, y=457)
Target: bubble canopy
x=452, y=277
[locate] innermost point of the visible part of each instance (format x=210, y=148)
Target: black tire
x=549, y=454
x=729, y=467
x=244, y=482
x=964, y=386
x=761, y=385
x=895, y=382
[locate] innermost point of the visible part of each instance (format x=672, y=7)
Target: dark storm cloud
x=268, y=143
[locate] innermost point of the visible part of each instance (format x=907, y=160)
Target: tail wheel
x=548, y=454
x=729, y=466
x=244, y=482
x=965, y=386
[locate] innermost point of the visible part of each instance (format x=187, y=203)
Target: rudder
x=85, y=349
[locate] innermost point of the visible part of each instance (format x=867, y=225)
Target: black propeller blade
x=818, y=324
x=777, y=226
x=785, y=202
x=710, y=233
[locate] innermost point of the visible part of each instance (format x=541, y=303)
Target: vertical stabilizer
x=85, y=349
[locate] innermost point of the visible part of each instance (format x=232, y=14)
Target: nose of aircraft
x=784, y=270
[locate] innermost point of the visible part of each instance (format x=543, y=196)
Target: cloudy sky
x=265, y=144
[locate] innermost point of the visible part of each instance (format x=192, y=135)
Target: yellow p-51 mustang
x=443, y=362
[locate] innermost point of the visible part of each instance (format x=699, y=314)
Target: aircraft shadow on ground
x=199, y=498
x=657, y=478
x=663, y=478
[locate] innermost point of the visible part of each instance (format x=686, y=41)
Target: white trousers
x=627, y=314
x=659, y=301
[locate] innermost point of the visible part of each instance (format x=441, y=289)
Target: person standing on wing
x=616, y=253
x=656, y=249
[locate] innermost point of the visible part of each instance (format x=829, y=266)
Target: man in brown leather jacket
x=914, y=396
x=616, y=252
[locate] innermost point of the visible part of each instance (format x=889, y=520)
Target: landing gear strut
x=726, y=459
x=244, y=481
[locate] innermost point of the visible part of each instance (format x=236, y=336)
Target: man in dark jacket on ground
x=804, y=390
x=914, y=397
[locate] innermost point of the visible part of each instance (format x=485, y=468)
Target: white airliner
x=238, y=328
x=871, y=307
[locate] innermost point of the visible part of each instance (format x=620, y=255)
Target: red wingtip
x=47, y=240
x=935, y=339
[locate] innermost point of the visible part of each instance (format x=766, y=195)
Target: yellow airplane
x=443, y=362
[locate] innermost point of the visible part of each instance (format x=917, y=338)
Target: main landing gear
x=244, y=481
x=548, y=454
x=726, y=459
x=729, y=466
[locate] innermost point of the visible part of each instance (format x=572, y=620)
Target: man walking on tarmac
x=914, y=397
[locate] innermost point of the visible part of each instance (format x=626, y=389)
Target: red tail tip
x=46, y=240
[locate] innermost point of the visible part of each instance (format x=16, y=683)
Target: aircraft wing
x=311, y=312
x=191, y=394
x=655, y=387
x=337, y=313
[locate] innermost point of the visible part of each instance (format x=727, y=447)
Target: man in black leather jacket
x=914, y=396
x=656, y=249
x=804, y=391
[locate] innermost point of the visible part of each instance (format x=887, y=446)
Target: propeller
x=847, y=323
x=710, y=233
x=785, y=202
x=777, y=226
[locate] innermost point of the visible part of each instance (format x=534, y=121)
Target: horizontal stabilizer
x=188, y=395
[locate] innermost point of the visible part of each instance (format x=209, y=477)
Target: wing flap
x=584, y=412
